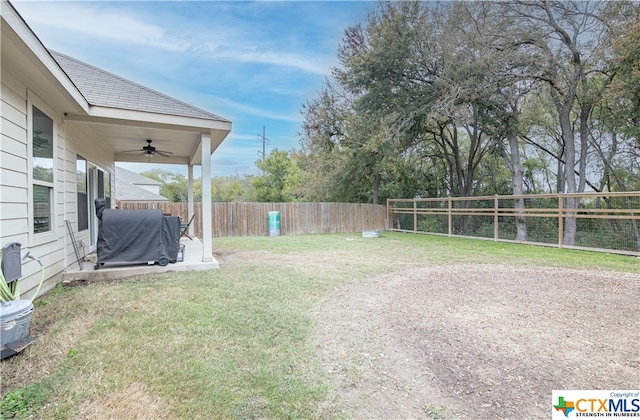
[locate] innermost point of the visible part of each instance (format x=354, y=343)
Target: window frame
x=37, y=238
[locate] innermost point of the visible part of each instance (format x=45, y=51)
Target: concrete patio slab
x=192, y=262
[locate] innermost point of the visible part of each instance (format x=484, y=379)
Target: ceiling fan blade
x=149, y=151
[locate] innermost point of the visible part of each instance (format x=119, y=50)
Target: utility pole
x=264, y=141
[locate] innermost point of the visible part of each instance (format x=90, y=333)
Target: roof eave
x=98, y=114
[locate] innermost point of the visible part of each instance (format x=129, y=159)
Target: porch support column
x=190, y=204
x=207, y=249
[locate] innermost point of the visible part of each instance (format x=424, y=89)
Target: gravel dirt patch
x=478, y=341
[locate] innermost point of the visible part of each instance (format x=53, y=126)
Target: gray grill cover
x=171, y=237
x=136, y=236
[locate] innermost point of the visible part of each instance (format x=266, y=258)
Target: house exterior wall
x=53, y=248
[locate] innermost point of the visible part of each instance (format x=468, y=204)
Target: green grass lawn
x=236, y=342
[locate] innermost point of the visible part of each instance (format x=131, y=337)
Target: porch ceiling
x=169, y=133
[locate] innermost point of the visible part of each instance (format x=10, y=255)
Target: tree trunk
x=518, y=187
x=376, y=187
x=560, y=176
x=571, y=186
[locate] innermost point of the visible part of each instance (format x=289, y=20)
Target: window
x=81, y=187
x=42, y=164
x=41, y=208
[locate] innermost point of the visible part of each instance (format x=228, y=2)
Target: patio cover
x=124, y=114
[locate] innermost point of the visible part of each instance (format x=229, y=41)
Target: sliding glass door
x=92, y=183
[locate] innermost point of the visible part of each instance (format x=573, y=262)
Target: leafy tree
x=231, y=188
x=174, y=185
x=279, y=180
x=324, y=141
x=421, y=71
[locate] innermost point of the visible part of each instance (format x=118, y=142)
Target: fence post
x=560, y=220
x=415, y=216
x=387, y=219
x=495, y=217
x=450, y=216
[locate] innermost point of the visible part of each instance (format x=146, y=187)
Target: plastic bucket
x=274, y=223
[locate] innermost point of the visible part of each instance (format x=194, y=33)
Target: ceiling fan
x=150, y=151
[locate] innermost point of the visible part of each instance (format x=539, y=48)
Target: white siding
x=13, y=161
x=54, y=249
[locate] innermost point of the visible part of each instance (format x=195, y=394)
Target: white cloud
x=92, y=21
x=248, y=55
x=251, y=110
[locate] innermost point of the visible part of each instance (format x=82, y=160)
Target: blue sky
x=254, y=63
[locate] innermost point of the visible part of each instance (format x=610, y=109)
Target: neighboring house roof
x=134, y=178
x=101, y=88
x=130, y=192
x=128, y=189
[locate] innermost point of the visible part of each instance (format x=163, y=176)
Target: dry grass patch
x=56, y=336
x=134, y=401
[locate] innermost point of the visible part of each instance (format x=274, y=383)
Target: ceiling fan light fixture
x=149, y=151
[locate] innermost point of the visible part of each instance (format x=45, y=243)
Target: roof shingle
x=101, y=88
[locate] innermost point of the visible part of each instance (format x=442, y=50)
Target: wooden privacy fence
x=603, y=221
x=251, y=219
